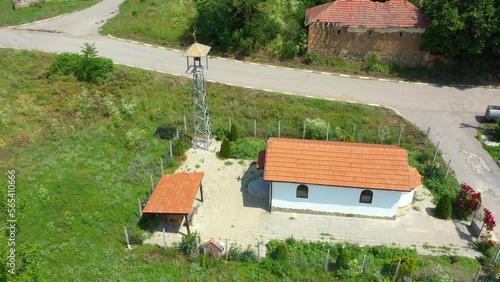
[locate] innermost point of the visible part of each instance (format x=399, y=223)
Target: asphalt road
x=452, y=113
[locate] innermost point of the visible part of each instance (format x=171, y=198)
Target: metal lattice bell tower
x=201, y=117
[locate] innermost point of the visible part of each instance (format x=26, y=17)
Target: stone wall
x=24, y=3
x=393, y=45
x=279, y=209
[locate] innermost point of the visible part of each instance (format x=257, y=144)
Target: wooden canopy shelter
x=174, y=196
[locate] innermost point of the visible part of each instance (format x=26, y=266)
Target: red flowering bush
x=489, y=220
x=467, y=202
x=484, y=243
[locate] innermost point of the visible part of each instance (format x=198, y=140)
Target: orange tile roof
x=368, y=14
x=415, y=178
x=373, y=166
x=174, y=194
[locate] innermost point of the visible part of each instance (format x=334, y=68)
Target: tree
x=225, y=148
x=235, y=133
x=443, y=208
x=467, y=32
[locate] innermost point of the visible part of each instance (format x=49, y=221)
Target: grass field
x=43, y=10
x=83, y=154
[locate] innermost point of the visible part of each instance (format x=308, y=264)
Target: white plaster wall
x=335, y=200
x=406, y=198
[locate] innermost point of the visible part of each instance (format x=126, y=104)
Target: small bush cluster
x=444, y=207
x=373, y=63
x=86, y=67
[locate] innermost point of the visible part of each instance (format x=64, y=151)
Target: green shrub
x=496, y=132
x=407, y=267
x=342, y=261
x=165, y=132
x=316, y=129
x=177, y=147
x=189, y=245
x=225, y=148
x=346, y=138
x=443, y=208
x=86, y=67
x=235, y=133
x=373, y=63
x=247, y=148
x=311, y=58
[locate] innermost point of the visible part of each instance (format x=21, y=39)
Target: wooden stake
x=170, y=149
x=427, y=136
x=177, y=133
x=400, y=135
x=378, y=133
x=126, y=236
x=397, y=270
x=140, y=207
x=254, y=128
x=161, y=165
x=436, y=152
x=354, y=132
x=185, y=125
x=326, y=259
x=230, y=125
x=258, y=252
x=327, y=130
x=447, y=169
x=279, y=128
x=363, y=264
x=227, y=251
x=304, y=131
x=152, y=184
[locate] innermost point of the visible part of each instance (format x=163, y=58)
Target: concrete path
x=452, y=113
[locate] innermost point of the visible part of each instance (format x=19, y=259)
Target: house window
x=366, y=197
x=302, y=191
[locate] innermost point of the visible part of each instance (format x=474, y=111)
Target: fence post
x=496, y=256
x=447, y=168
x=279, y=128
x=227, y=251
x=152, y=184
x=164, y=240
x=327, y=130
x=161, y=165
x=476, y=278
x=427, y=136
x=230, y=125
x=255, y=128
x=326, y=259
x=258, y=252
x=363, y=264
x=126, y=236
x=397, y=270
x=436, y=152
x=400, y=135
x=170, y=149
x=378, y=133
x=185, y=125
x=354, y=132
x=304, y=131
x=140, y=207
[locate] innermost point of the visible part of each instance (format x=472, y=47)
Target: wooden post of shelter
x=201, y=192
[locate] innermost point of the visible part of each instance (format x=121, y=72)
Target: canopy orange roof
x=174, y=194
x=345, y=164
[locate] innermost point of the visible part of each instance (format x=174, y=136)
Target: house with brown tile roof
x=354, y=28
x=351, y=179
